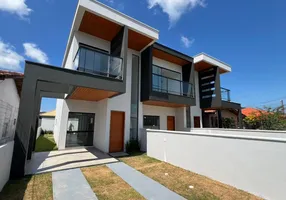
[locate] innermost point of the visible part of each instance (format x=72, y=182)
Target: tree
x=267, y=119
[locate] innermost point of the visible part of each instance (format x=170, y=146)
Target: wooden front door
x=170, y=123
x=116, y=139
x=197, y=122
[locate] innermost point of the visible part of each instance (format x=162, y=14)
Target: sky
x=248, y=35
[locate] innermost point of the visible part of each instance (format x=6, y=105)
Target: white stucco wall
x=6, y=153
x=48, y=123
x=249, y=162
x=9, y=101
x=162, y=112
x=196, y=110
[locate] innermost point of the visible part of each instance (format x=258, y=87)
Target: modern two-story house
x=115, y=81
x=141, y=83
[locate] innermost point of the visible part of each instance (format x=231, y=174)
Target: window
x=151, y=122
x=134, y=98
x=188, y=117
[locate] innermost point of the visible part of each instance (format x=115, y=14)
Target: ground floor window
x=151, y=122
x=80, y=129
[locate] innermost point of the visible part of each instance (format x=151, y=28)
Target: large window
x=134, y=98
x=168, y=81
x=80, y=129
x=151, y=122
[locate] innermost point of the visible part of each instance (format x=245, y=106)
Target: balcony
x=225, y=94
x=98, y=63
x=172, y=86
x=106, y=70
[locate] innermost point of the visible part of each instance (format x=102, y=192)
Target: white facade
x=48, y=123
x=9, y=102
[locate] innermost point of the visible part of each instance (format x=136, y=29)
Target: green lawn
x=45, y=143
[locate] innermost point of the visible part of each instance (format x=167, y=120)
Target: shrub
x=132, y=146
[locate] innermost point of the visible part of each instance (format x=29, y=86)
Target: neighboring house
x=248, y=112
x=213, y=121
x=10, y=90
x=163, y=88
x=47, y=120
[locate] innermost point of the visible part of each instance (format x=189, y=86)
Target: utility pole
x=283, y=108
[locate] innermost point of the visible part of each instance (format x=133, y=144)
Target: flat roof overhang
x=91, y=14
x=165, y=53
x=204, y=61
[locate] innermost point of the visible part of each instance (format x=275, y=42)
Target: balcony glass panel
x=171, y=86
x=99, y=63
x=225, y=94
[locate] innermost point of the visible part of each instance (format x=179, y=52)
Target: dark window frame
x=154, y=117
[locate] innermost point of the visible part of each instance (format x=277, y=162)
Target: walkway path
x=147, y=187
x=71, y=185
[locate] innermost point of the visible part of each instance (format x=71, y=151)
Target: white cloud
x=175, y=8
x=9, y=58
x=18, y=7
x=186, y=42
x=32, y=51
x=116, y=4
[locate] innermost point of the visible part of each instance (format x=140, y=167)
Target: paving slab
x=144, y=185
x=43, y=162
x=71, y=185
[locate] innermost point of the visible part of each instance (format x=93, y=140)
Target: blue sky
x=249, y=35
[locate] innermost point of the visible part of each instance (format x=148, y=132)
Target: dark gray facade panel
x=172, y=52
x=116, y=43
x=209, y=87
x=146, y=73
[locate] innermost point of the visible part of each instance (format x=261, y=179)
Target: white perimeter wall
x=255, y=162
x=6, y=153
x=48, y=123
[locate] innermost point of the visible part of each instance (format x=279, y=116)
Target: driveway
x=66, y=159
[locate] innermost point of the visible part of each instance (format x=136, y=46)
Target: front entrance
x=116, y=139
x=171, y=123
x=80, y=129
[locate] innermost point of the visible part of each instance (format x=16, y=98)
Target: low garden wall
x=6, y=153
x=254, y=161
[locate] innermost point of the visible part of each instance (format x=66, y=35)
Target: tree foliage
x=267, y=119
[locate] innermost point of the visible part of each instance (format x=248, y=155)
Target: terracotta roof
x=49, y=114
x=17, y=76
x=8, y=74
x=251, y=111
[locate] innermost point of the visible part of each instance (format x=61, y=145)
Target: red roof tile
x=8, y=74
x=251, y=111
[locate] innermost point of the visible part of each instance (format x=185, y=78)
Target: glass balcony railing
x=225, y=94
x=99, y=63
x=172, y=86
